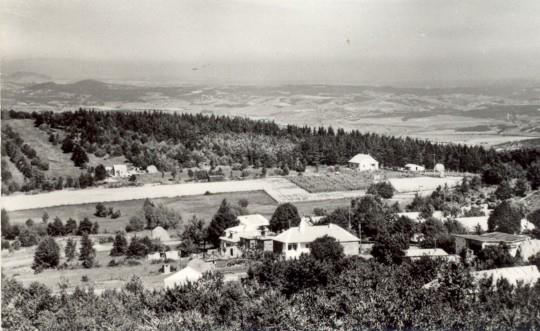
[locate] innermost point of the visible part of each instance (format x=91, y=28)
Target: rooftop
x=526, y=274
x=358, y=158
x=418, y=252
x=307, y=233
x=253, y=220
x=494, y=237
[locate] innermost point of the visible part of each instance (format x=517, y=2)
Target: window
x=292, y=247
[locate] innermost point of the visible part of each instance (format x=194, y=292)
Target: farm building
x=363, y=162
x=471, y=224
x=528, y=275
x=169, y=255
x=415, y=215
x=422, y=184
x=120, y=170
x=151, y=169
x=251, y=232
x=414, y=167
x=478, y=242
x=295, y=241
x=439, y=167
x=160, y=233
x=191, y=273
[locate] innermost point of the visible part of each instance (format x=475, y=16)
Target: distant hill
x=487, y=115
x=27, y=78
x=527, y=143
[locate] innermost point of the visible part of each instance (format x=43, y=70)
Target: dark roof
x=493, y=237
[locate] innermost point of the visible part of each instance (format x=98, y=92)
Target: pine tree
x=47, y=255
x=87, y=254
x=5, y=222
x=223, y=219
x=85, y=227
x=95, y=228
x=71, y=247
x=120, y=245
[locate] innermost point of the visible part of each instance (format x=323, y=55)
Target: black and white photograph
x=270, y=165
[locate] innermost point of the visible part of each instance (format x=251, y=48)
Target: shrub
x=326, y=249
x=135, y=224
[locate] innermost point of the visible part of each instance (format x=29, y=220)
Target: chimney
x=302, y=226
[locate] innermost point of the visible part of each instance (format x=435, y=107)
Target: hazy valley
x=490, y=115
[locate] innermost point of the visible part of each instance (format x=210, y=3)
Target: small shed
x=182, y=277
x=160, y=233
x=414, y=167
x=151, y=169
x=120, y=170
x=439, y=167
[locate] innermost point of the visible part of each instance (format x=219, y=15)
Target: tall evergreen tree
x=223, y=219
x=120, y=245
x=87, y=254
x=71, y=247
x=47, y=254
x=5, y=222
x=85, y=226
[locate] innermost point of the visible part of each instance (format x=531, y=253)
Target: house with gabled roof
x=296, y=240
x=479, y=242
x=251, y=230
x=363, y=162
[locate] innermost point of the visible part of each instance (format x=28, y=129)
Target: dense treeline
x=304, y=294
x=196, y=138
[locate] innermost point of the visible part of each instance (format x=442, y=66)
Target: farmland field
x=343, y=181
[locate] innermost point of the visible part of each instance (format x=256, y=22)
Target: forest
x=175, y=141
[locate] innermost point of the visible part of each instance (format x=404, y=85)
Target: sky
x=311, y=41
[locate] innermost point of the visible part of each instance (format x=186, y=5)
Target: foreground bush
x=305, y=294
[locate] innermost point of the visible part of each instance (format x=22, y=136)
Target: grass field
x=204, y=206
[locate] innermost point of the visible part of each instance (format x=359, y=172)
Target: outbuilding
x=160, y=233
x=414, y=167
x=151, y=169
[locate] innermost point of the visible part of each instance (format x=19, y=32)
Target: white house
x=414, y=167
x=245, y=235
x=120, y=170
x=296, y=240
x=363, y=162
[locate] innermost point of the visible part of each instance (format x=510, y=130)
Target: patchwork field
x=345, y=180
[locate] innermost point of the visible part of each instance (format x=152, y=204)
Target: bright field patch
x=343, y=181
